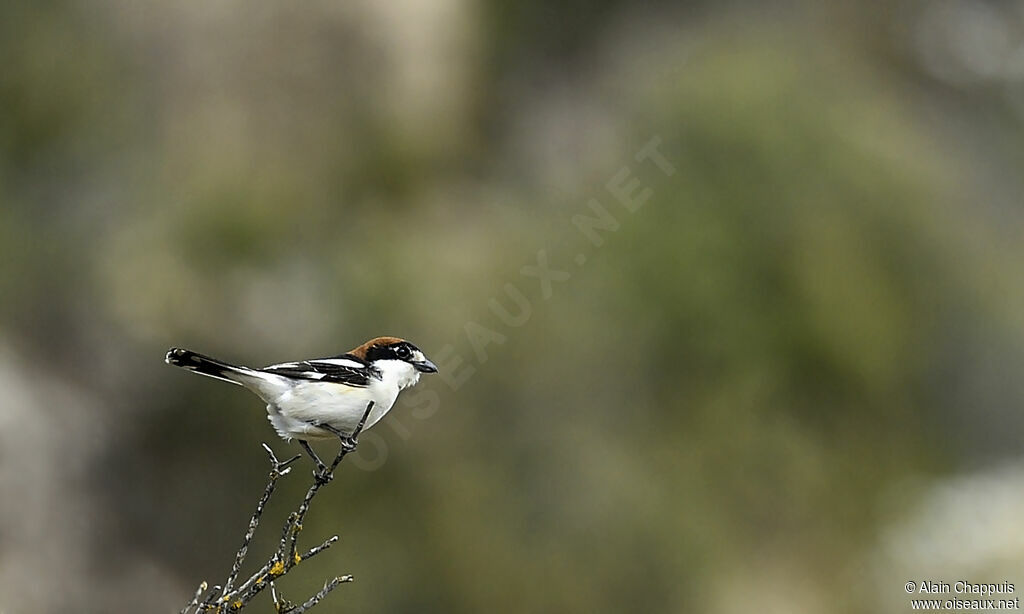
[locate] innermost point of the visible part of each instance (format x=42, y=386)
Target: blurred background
x=790, y=381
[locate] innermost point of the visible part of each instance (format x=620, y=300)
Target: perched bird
x=324, y=397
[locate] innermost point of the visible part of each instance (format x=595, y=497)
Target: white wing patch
x=297, y=370
x=341, y=362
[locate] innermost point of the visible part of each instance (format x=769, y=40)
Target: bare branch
x=195, y=599
x=315, y=599
x=317, y=550
x=286, y=557
x=207, y=603
x=277, y=471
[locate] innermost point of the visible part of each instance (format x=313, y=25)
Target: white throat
x=398, y=373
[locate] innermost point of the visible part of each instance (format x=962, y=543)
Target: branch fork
x=229, y=598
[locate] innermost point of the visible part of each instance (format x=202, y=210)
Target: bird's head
x=394, y=349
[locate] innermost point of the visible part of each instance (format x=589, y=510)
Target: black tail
x=204, y=365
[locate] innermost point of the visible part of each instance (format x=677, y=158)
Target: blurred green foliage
x=710, y=413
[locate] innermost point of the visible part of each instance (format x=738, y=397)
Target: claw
x=348, y=443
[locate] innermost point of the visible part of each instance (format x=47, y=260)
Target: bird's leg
x=362, y=421
x=348, y=443
x=321, y=468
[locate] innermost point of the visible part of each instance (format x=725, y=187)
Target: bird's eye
x=403, y=352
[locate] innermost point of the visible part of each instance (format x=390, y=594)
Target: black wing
x=334, y=370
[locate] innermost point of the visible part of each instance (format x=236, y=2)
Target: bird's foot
x=348, y=442
x=323, y=475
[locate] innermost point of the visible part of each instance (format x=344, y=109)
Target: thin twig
x=281, y=605
x=286, y=557
x=195, y=599
x=207, y=603
x=320, y=479
x=278, y=469
x=315, y=599
x=318, y=549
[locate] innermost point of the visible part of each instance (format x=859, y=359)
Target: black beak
x=425, y=366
